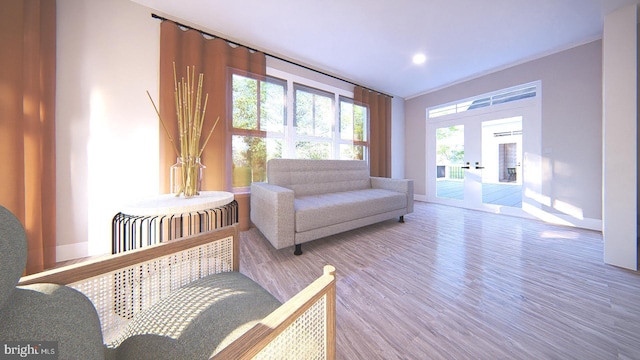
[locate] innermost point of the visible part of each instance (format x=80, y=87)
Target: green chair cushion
x=48, y=312
x=197, y=320
x=13, y=247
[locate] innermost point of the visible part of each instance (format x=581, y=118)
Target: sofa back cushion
x=312, y=177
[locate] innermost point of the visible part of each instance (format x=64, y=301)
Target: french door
x=488, y=160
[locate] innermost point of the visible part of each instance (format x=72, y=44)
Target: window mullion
x=313, y=114
x=259, y=104
x=290, y=131
x=337, y=138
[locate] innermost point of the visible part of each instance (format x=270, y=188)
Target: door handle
x=466, y=167
x=479, y=167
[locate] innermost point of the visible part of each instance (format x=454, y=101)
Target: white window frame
x=490, y=99
x=289, y=137
x=292, y=79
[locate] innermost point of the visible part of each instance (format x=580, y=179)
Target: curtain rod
x=155, y=16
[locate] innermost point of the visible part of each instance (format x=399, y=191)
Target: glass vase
x=186, y=177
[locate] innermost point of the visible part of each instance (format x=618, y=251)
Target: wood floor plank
x=451, y=283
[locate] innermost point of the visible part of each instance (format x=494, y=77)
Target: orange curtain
x=27, y=123
x=213, y=58
x=379, y=106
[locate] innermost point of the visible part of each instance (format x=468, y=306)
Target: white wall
x=620, y=71
x=106, y=128
x=571, y=126
x=397, y=138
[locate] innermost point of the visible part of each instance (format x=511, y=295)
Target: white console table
x=166, y=217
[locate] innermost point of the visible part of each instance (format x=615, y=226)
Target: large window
x=263, y=129
x=258, y=126
x=353, y=130
x=313, y=123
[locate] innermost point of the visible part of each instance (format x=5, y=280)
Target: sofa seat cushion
x=316, y=211
x=197, y=320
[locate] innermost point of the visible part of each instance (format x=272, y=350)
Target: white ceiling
x=371, y=42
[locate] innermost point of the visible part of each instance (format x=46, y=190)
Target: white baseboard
x=72, y=251
x=551, y=218
x=418, y=197
x=566, y=220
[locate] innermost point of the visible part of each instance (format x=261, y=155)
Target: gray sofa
x=305, y=200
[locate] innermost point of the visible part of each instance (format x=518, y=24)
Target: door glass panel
x=501, y=162
x=449, y=161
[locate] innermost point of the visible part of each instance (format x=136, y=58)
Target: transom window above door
x=515, y=93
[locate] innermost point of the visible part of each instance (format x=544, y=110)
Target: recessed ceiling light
x=419, y=59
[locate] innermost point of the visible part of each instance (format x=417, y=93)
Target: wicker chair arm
x=110, y=263
x=121, y=285
x=302, y=328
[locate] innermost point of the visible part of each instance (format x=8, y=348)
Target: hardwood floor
x=459, y=284
x=507, y=194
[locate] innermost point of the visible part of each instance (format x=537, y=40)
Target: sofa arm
x=273, y=214
x=399, y=185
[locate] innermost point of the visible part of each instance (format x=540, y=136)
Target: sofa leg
x=298, y=250
x=401, y=219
